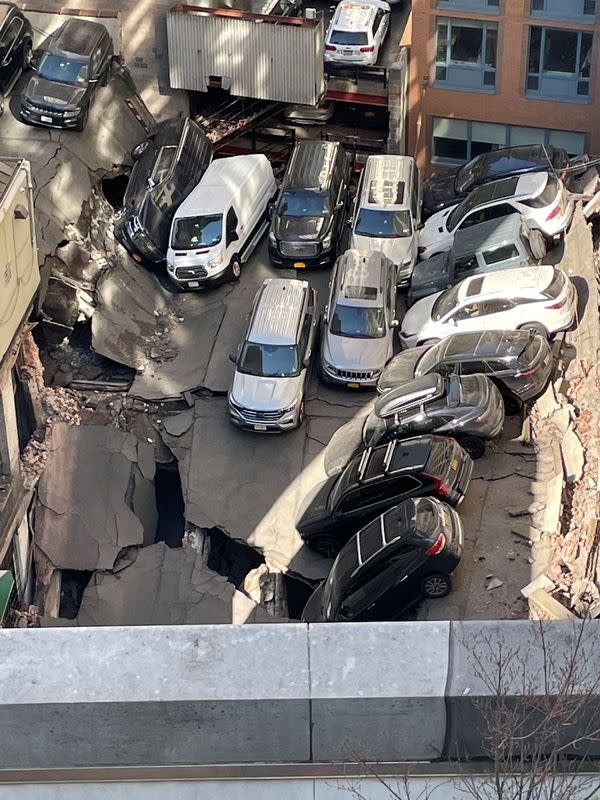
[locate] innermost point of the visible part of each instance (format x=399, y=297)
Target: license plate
x=454, y=463
x=299, y=264
x=348, y=52
x=48, y=120
x=260, y=427
x=137, y=258
x=194, y=284
x=353, y=385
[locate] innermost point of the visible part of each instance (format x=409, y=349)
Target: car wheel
x=82, y=122
x=324, y=544
x=436, y=585
x=473, y=445
x=512, y=405
x=301, y=413
x=535, y=327
x=429, y=342
x=538, y=245
x=139, y=149
x=235, y=270
x=27, y=55
x=1, y=103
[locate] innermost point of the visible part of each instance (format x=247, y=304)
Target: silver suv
x=272, y=361
x=358, y=322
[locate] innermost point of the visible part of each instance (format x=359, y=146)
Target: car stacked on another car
x=75, y=60
x=470, y=409
x=377, y=479
x=540, y=299
x=359, y=320
x=406, y=553
x=16, y=43
x=356, y=32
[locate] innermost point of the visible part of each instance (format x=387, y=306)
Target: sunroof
x=360, y=292
x=386, y=192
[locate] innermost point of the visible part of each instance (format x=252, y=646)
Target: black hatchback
x=405, y=554
x=74, y=61
x=377, y=479
x=16, y=37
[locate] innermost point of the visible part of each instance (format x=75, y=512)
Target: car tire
x=140, y=149
x=436, y=585
x=473, y=445
x=82, y=121
x=1, y=103
x=234, y=270
x=512, y=405
x=538, y=244
x=27, y=55
x=325, y=544
x=536, y=327
x=301, y=413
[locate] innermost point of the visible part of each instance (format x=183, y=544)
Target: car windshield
x=428, y=361
x=358, y=322
x=459, y=212
x=268, y=360
x=383, y=224
x=445, y=303
x=375, y=429
x=352, y=38
x=163, y=164
x=467, y=177
x=191, y=232
x=62, y=69
x=296, y=203
x=338, y=579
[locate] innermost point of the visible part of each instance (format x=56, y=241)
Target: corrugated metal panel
x=264, y=60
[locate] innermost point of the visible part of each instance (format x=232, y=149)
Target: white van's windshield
x=269, y=360
x=383, y=224
x=191, y=232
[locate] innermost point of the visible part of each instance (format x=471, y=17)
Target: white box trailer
x=252, y=55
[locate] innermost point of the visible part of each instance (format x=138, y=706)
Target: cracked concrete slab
x=95, y=497
x=166, y=586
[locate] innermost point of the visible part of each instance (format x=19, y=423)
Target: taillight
x=367, y=49
x=525, y=373
x=554, y=213
x=437, y=546
x=558, y=304
x=330, y=47
x=441, y=488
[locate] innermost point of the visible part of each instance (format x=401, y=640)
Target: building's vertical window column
x=466, y=54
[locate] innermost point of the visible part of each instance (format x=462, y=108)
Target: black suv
x=519, y=362
x=308, y=219
x=452, y=185
x=169, y=163
x=470, y=409
x=74, y=61
x=407, y=553
x=377, y=479
x=16, y=37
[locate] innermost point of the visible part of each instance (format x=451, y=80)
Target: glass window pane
x=442, y=41
x=573, y=143
x=451, y=128
x=522, y=135
x=488, y=132
x=535, y=43
x=490, y=47
x=586, y=55
x=466, y=44
x=560, y=51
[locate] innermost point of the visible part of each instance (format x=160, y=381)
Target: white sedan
x=539, y=197
x=541, y=299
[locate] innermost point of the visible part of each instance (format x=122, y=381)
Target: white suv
x=539, y=197
x=541, y=299
x=356, y=32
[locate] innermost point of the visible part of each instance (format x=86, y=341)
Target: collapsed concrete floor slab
x=95, y=497
x=163, y=586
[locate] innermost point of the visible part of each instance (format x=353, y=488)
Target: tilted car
x=356, y=32
x=76, y=60
x=359, y=320
x=405, y=554
x=377, y=479
x=470, y=409
x=539, y=197
x=450, y=186
x=518, y=362
x=16, y=38
x=541, y=299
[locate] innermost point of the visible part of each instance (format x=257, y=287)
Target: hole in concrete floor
x=230, y=557
x=73, y=585
x=297, y=591
x=62, y=243
x=170, y=505
x=113, y=188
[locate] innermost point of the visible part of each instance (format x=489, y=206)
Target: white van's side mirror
x=233, y=358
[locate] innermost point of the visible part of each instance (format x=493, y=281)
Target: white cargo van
x=218, y=225
x=388, y=211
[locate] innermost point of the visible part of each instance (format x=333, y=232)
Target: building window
x=455, y=141
x=583, y=10
x=491, y=6
x=559, y=63
x=466, y=54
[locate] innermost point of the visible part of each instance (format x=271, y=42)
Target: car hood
x=434, y=270
x=346, y=353
x=44, y=92
x=313, y=515
x=298, y=227
x=345, y=443
x=397, y=250
x=401, y=369
x=265, y=394
x=434, y=228
x=313, y=610
x=439, y=192
x=419, y=315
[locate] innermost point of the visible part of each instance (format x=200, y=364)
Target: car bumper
x=198, y=280
x=257, y=424
x=49, y=120
x=349, y=381
x=324, y=259
x=350, y=61
x=139, y=254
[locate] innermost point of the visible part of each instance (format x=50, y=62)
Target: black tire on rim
x=474, y=446
x=538, y=245
x=301, y=413
x=83, y=120
x=535, y=327
x=235, y=270
x=512, y=405
x=27, y=55
x=324, y=544
x=436, y=585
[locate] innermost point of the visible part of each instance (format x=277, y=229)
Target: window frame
x=442, y=67
x=575, y=78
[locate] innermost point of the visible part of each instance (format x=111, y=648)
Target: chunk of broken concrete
x=572, y=456
x=495, y=583
x=542, y=582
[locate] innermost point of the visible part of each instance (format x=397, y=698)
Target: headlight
x=289, y=408
x=135, y=224
x=327, y=241
x=73, y=113
x=407, y=262
x=214, y=262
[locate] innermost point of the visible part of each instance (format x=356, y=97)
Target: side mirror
x=394, y=323
x=232, y=237
x=349, y=223
x=420, y=226
x=151, y=183
x=339, y=205
x=306, y=360
x=326, y=314
x=233, y=358
x=94, y=80
x=271, y=210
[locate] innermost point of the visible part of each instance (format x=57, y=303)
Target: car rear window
x=504, y=253
x=556, y=285
x=351, y=38
x=530, y=353
x=370, y=542
x=548, y=196
x=469, y=390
